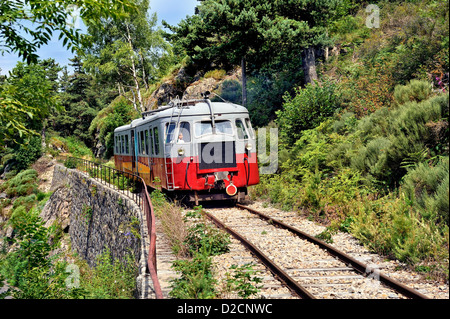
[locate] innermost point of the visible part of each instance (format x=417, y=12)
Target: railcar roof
x=200, y=108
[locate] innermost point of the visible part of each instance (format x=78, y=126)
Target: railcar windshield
x=184, y=133
x=205, y=128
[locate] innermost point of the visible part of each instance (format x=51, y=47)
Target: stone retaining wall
x=96, y=217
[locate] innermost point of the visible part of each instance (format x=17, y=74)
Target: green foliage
x=196, y=280
x=81, y=101
x=226, y=31
x=391, y=137
x=390, y=227
x=24, y=183
x=29, y=266
x=118, y=113
x=70, y=145
x=28, y=153
x=129, y=54
x=27, y=97
x=243, y=280
x=203, y=236
x=346, y=173
x=426, y=187
x=307, y=109
x=49, y=17
x=414, y=91
x=109, y=279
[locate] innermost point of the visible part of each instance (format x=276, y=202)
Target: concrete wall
x=96, y=216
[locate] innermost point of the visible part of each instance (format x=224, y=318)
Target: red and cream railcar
x=201, y=150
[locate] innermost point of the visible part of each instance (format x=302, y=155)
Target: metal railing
x=132, y=186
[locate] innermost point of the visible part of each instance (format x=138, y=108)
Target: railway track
x=307, y=266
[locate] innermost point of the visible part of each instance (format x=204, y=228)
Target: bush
x=202, y=235
x=427, y=187
x=390, y=226
x=24, y=183
x=414, y=91
x=28, y=153
x=307, y=109
x=109, y=279
x=118, y=113
x=29, y=267
x=393, y=138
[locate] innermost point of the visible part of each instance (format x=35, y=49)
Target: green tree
x=27, y=25
x=27, y=97
x=256, y=32
x=127, y=53
x=80, y=104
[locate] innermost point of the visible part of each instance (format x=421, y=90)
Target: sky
x=172, y=11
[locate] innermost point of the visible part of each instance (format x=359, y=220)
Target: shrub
x=118, y=113
x=307, y=109
x=391, y=227
x=109, y=279
x=24, y=183
x=28, y=153
x=202, y=235
x=215, y=74
x=230, y=90
x=416, y=91
x=427, y=188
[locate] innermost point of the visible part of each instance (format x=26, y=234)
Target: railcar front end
x=199, y=150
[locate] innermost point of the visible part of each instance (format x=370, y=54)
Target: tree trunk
x=244, y=82
x=43, y=144
x=133, y=69
x=309, y=65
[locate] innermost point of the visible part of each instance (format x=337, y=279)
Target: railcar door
x=133, y=153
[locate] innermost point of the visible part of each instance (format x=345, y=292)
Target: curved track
x=309, y=267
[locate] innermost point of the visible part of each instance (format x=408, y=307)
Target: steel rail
x=277, y=271
x=143, y=201
x=357, y=265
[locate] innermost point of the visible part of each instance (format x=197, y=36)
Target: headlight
x=181, y=151
x=248, y=146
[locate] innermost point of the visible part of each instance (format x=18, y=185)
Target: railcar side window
x=242, y=134
x=170, y=129
x=127, y=145
x=122, y=144
x=205, y=127
x=151, y=141
x=249, y=127
x=116, y=144
x=142, y=142
x=184, y=135
x=146, y=142
x=156, y=139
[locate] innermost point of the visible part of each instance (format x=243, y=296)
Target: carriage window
x=142, y=144
x=156, y=139
x=184, y=134
x=151, y=141
x=170, y=129
x=249, y=127
x=116, y=144
x=146, y=142
x=127, y=145
x=122, y=143
x=205, y=127
x=242, y=134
